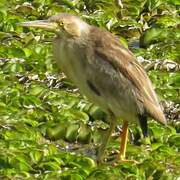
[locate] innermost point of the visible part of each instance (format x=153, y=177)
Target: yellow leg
x=124, y=137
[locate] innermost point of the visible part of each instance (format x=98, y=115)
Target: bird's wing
x=108, y=48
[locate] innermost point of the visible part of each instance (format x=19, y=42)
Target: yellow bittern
x=105, y=71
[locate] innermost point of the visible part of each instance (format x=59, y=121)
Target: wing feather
x=124, y=61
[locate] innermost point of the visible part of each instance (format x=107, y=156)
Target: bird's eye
x=61, y=23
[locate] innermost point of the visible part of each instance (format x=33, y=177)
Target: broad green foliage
x=47, y=129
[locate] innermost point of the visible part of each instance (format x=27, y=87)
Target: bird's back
x=122, y=60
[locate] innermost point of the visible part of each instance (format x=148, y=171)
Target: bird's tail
x=155, y=112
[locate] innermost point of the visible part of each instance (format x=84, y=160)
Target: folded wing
x=124, y=61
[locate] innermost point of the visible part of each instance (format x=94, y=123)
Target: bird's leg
x=106, y=138
x=124, y=137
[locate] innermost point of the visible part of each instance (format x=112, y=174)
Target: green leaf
x=56, y=132
x=72, y=132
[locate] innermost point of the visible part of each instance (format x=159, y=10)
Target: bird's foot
x=115, y=159
x=121, y=161
x=117, y=162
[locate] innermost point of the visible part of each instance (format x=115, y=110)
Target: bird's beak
x=42, y=24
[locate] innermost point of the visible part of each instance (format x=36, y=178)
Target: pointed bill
x=42, y=24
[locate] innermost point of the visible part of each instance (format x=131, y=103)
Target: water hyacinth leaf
x=96, y=113
x=72, y=132
x=174, y=80
x=174, y=140
x=155, y=146
x=124, y=42
x=174, y=2
x=25, y=8
x=156, y=133
x=27, y=52
x=36, y=156
x=20, y=162
x=75, y=115
x=36, y=89
x=84, y=135
x=166, y=150
x=30, y=101
x=53, y=166
x=56, y=132
x=153, y=4
x=12, y=68
x=4, y=35
x=87, y=162
x=153, y=35
x=71, y=175
x=168, y=21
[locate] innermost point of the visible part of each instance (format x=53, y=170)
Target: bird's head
x=62, y=24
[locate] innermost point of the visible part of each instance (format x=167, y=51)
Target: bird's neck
x=83, y=27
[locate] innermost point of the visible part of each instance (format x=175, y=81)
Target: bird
x=106, y=72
